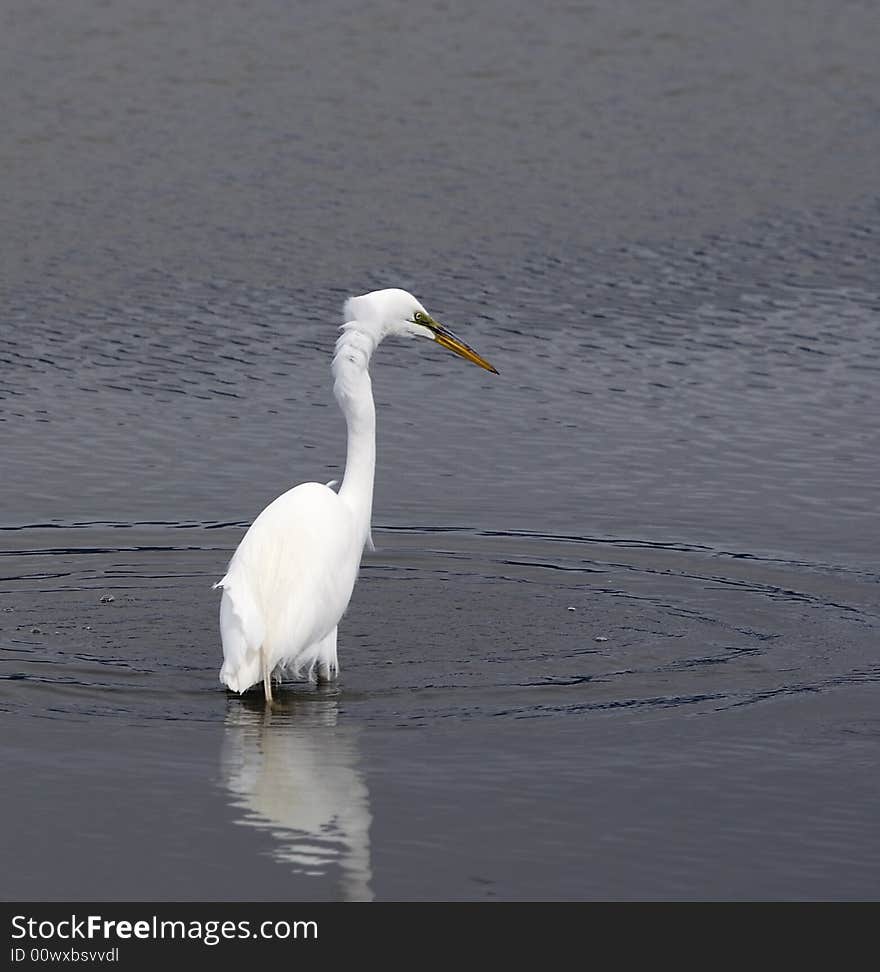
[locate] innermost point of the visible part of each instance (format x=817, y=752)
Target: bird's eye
x=418, y=317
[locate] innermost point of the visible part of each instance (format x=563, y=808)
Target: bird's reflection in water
x=294, y=771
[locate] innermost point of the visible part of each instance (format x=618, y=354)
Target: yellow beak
x=445, y=338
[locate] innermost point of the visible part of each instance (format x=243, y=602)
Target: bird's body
x=291, y=578
x=278, y=606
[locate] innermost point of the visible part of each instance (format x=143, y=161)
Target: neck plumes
x=354, y=393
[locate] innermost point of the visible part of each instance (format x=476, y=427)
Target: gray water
x=619, y=635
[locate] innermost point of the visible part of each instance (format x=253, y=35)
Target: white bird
x=291, y=578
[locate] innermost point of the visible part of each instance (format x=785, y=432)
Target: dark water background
x=619, y=638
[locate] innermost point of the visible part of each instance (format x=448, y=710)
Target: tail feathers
x=242, y=632
x=318, y=660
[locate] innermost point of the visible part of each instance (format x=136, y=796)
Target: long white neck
x=354, y=393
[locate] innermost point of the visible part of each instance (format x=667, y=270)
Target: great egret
x=291, y=578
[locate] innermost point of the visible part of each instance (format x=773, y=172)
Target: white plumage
x=258, y=609
x=291, y=578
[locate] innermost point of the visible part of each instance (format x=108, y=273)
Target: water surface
x=619, y=635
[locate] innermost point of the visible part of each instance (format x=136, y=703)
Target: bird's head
x=395, y=312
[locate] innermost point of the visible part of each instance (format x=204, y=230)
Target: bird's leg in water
x=267, y=677
x=325, y=672
x=328, y=666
